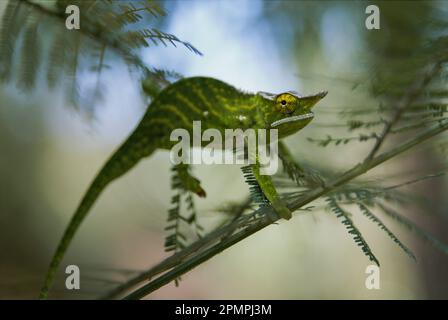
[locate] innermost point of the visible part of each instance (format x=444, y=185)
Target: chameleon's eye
x=286, y=103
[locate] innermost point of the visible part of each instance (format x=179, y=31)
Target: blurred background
x=51, y=146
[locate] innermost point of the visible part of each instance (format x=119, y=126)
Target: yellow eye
x=286, y=103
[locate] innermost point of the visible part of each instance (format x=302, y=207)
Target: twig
x=198, y=259
x=429, y=176
x=180, y=256
x=414, y=92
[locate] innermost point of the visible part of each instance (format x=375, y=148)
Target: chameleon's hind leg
x=187, y=181
x=268, y=188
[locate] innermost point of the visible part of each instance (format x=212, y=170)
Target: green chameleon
x=217, y=105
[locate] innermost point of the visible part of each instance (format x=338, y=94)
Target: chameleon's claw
x=189, y=182
x=273, y=215
x=281, y=209
x=201, y=192
x=195, y=186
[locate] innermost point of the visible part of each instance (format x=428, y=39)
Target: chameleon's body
x=217, y=105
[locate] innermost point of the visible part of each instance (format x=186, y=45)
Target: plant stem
x=412, y=94
x=197, y=260
x=180, y=256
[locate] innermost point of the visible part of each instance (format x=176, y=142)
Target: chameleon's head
x=288, y=112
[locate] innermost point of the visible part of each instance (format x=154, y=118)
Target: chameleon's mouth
x=292, y=119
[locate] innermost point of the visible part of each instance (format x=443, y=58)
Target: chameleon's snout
x=310, y=101
x=322, y=94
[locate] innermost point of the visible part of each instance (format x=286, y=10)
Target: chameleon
x=217, y=105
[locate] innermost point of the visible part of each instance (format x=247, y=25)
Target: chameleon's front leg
x=268, y=188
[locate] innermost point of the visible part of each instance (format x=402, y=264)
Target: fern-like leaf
x=369, y=214
x=176, y=239
x=57, y=57
x=192, y=218
x=8, y=30
x=72, y=70
x=31, y=58
x=342, y=140
x=351, y=228
x=130, y=13
x=112, y=24
x=139, y=38
x=415, y=229
x=256, y=193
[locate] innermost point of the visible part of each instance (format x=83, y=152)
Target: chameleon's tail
x=126, y=157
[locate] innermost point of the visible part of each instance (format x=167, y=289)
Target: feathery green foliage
x=351, y=228
x=30, y=29
x=414, y=228
x=369, y=214
x=30, y=59
x=177, y=239
x=9, y=33
x=255, y=191
x=344, y=140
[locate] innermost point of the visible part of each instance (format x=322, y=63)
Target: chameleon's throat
x=292, y=119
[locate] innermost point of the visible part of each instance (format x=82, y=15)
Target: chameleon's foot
x=272, y=214
x=199, y=191
x=281, y=209
x=264, y=182
x=188, y=181
x=192, y=184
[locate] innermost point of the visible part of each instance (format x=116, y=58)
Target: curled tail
x=126, y=157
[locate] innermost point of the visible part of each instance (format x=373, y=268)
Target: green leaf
x=351, y=228
x=415, y=229
x=383, y=227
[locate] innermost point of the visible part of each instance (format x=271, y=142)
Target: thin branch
x=429, y=176
x=197, y=260
x=180, y=256
x=413, y=227
x=414, y=92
